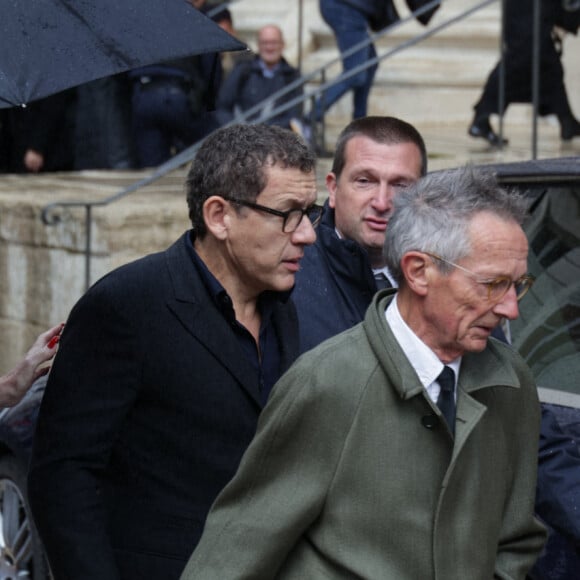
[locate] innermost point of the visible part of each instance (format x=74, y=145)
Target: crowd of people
x=143, y=117
x=355, y=470
x=301, y=391
x=555, y=21
x=177, y=417
x=131, y=120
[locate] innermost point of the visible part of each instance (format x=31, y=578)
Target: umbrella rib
x=109, y=47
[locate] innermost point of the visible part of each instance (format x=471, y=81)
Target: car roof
x=554, y=171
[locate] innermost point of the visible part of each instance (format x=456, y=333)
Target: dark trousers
x=163, y=123
x=350, y=27
x=553, y=97
x=103, y=125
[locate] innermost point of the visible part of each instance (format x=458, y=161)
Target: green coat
x=345, y=481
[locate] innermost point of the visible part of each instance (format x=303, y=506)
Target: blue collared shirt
x=267, y=72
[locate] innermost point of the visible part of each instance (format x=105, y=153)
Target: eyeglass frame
x=283, y=214
x=527, y=279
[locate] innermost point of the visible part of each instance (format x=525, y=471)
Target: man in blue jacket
x=374, y=158
x=251, y=82
x=557, y=500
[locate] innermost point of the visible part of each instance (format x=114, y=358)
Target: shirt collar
x=220, y=296
x=385, y=269
x=423, y=360
x=267, y=72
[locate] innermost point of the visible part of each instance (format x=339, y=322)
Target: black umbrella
x=47, y=46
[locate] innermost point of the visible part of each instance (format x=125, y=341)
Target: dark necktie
x=446, y=399
x=382, y=281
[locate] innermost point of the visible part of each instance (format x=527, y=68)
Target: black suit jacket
x=148, y=409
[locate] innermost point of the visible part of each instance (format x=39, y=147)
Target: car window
x=547, y=333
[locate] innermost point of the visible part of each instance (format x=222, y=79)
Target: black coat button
x=429, y=421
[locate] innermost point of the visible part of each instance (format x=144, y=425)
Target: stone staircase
x=431, y=80
x=433, y=84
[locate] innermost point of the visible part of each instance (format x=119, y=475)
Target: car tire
x=21, y=554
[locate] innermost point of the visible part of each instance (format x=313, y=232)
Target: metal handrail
x=49, y=213
x=304, y=79
x=370, y=62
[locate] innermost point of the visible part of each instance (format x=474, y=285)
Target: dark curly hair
x=232, y=162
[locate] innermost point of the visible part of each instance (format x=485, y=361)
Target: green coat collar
x=478, y=370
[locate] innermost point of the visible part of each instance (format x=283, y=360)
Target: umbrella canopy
x=47, y=46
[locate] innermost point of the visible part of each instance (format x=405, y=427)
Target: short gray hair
x=433, y=214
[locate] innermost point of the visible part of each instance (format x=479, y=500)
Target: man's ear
x=217, y=216
x=416, y=270
x=331, y=187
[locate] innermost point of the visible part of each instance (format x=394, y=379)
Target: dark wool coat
x=149, y=406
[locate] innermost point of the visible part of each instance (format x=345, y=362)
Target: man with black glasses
x=405, y=447
x=165, y=365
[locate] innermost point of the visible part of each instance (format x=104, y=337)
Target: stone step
x=419, y=66
x=480, y=30
x=444, y=72
x=435, y=82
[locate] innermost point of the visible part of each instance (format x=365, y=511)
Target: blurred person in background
x=251, y=82
x=172, y=102
x=40, y=137
x=557, y=18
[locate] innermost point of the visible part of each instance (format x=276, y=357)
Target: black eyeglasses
x=498, y=287
x=292, y=218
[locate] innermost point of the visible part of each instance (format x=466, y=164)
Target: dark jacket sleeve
x=558, y=489
x=91, y=388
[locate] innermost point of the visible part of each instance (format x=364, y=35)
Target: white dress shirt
x=425, y=362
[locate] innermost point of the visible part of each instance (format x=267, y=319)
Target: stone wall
x=42, y=268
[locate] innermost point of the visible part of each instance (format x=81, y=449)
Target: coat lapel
x=285, y=321
x=194, y=309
